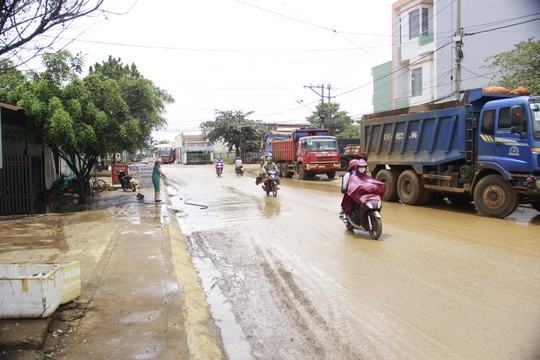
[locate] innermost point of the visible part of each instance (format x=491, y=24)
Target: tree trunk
x=83, y=189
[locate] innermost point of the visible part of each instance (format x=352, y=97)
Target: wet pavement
x=285, y=280
x=138, y=298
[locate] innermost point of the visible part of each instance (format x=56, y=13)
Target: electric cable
x=500, y=27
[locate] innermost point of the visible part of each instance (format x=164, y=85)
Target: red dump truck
x=307, y=152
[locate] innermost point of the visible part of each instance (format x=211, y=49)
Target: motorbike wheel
x=274, y=189
x=133, y=187
x=376, y=230
x=124, y=187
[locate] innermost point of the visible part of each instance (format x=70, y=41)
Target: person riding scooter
x=219, y=166
x=362, y=187
x=265, y=168
x=346, y=202
x=362, y=201
x=239, y=166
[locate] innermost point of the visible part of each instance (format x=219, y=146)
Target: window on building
x=416, y=82
x=488, y=126
x=425, y=21
x=504, y=119
x=414, y=23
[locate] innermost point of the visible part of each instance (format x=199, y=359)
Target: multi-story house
x=424, y=51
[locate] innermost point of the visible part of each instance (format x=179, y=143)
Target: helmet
x=268, y=158
x=353, y=163
x=362, y=163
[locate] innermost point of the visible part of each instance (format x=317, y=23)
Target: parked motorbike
x=366, y=209
x=239, y=170
x=126, y=181
x=219, y=169
x=270, y=185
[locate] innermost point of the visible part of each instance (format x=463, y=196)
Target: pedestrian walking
x=157, y=174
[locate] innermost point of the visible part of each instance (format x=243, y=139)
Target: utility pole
x=458, y=45
x=321, y=94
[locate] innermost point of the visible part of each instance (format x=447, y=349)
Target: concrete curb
x=203, y=338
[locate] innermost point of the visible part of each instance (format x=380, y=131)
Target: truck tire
x=495, y=197
x=389, y=178
x=331, y=174
x=409, y=188
x=536, y=205
x=302, y=173
x=343, y=164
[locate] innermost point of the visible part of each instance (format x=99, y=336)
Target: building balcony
x=425, y=38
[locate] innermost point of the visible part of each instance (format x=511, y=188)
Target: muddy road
x=284, y=279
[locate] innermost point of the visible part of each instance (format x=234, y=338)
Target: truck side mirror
x=519, y=124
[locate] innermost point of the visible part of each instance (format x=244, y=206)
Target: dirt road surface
x=284, y=279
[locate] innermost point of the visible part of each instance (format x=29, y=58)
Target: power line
x=394, y=71
x=501, y=27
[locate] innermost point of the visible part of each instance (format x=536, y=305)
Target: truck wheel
x=495, y=197
x=343, y=164
x=389, y=178
x=536, y=205
x=302, y=174
x=409, y=188
x=331, y=174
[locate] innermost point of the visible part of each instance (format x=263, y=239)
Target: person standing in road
x=157, y=174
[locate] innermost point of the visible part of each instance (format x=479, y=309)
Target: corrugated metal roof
x=10, y=107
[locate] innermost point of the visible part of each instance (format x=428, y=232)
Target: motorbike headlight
x=369, y=205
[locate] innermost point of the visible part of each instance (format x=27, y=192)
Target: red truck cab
x=317, y=155
x=307, y=152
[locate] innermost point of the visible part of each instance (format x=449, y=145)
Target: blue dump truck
x=485, y=147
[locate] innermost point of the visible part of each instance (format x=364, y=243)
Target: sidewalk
x=141, y=297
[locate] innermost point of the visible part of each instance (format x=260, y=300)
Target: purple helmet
x=353, y=163
x=362, y=163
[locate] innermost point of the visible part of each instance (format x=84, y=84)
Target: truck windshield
x=322, y=145
x=535, y=117
x=164, y=151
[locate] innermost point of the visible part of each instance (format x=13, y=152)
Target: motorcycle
x=270, y=185
x=219, y=168
x=239, y=170
x=366, y=209
x=126, y=181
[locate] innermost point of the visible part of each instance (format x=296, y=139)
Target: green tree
x=235, y=130
x=328, y=116
x=83, y=118
x=519, y=66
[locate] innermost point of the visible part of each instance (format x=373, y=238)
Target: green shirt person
x=156, y=179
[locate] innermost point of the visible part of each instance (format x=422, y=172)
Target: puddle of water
x=234, y=340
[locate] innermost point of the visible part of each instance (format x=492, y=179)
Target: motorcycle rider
x=219, y=164
x=238, y=165
x=266, y=167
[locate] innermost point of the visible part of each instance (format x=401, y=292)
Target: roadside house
x=23, y=162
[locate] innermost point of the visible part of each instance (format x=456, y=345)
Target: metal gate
x=16, y=186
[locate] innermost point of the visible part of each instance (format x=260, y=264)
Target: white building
x=423, y=68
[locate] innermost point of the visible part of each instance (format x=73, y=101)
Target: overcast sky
x=249, y=55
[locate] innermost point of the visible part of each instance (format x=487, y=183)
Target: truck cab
x=318, y=155
x=509, y=145
x=509, y=136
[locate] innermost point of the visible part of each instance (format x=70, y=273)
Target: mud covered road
x=284, y=279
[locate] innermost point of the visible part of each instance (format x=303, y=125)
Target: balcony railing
x=425, y=38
